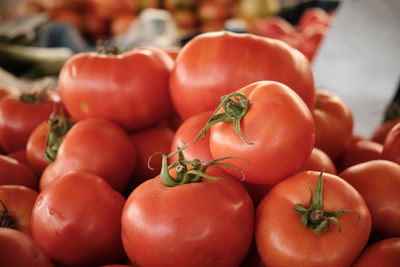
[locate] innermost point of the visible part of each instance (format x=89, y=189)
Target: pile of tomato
x=224, y=154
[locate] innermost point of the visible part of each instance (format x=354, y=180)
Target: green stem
x=5, y=219
x=314, y=217
x=103, y=48
x=33, y=97
x=235, y=106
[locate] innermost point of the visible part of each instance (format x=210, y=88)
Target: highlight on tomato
x=13, y=172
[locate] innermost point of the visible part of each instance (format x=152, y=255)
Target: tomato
x=378, y=182
x=13, y=172
x=279, y=28
x=382, y=130
x=18, y=249
x=384, y=253
x=333, y=124
x=281, y=238
x=19, y=116
x=21, y=157
x=359, y=152
x=146, y=143
x=95, y=145
x=36, y=147
x=311, y=40
x=17, y=206
x=215, y=64
x=391, y=146
x=314, y=16
x=130, y=89
x=186, y=224
x=319, y=161
x=121, y=23
x=279, y=131
x=76, y=220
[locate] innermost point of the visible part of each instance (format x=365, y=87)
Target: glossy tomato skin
x=19, y=249
x=187, y=225
x=319, y=161
x=76, y=220
x=378, y=181
x=95, y=145
x=36, y=147
x=18, y=119
x=215, y=64
x=382, y=130
x=279, y=125
x=384, y=253
x=19, y=202
x=13, y=172
x=283, y=241
x=130, y=89
x=391, y=146
x=333, y=124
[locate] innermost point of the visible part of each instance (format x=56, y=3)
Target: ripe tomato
x=358, y=152
x=130, y=89
x=319, y=161
x=279, y=127
x=391, y=146
x=18, y=249
x=283, y=240
x=35, y=148
x=384, y=253
x=314, y=16
x=96, y=145
x=20, y=115
x=13, y=172
x=333, y=124
x=382, y=130
x=18, y=201
x=278, y=28
x=378, y=181
x=185, y=225
x=76, y=220
x=20, y=156
x=215, y=64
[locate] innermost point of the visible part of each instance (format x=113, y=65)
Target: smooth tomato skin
x=130, y=89
x=76, y=220
x=358, y=152
x=20, y=156
x=19, y=249
x=378, y=181
x=18, y=119
x=96, y=145
x=147, y=142
x=382, y=130
x=391, y=146
x=186, y=225
x=13, y=172
x=319, y=161
x=217, y=63
x=279, y=125
x=384, y=253
x=333, y=124
x=186, y=134
x=314, y=16
x=35, y=148
x=19, y=202
x=283, y=241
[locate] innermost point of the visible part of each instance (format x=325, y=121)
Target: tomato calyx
x=5, y=219
x=103, y=48
x=35, y=97
x=58, y=127
x=187, y=171
x=314, y=217
x=235, y=106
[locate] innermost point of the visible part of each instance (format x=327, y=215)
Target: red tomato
x=96, y=145
x=257, y=191
x=18, y=249
x=279, y=28
x=98, y=85
x=215, y=64
x=384, y=253
x=281, y=238
x=147, y=142
x=359, y=152
x=21, y=157
x=121, y=23
x=36, y=147
x=333, y=124
x=311, y=40
x=186, y=225
x=76, y=220
x=391, y=146
x=212, y=10
x=319, y=161
x=380, y=132
x=280, y=127
x=378, y=181
x=19, y=116
x=13, y=172
x=18, y=201
x=313, y=16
